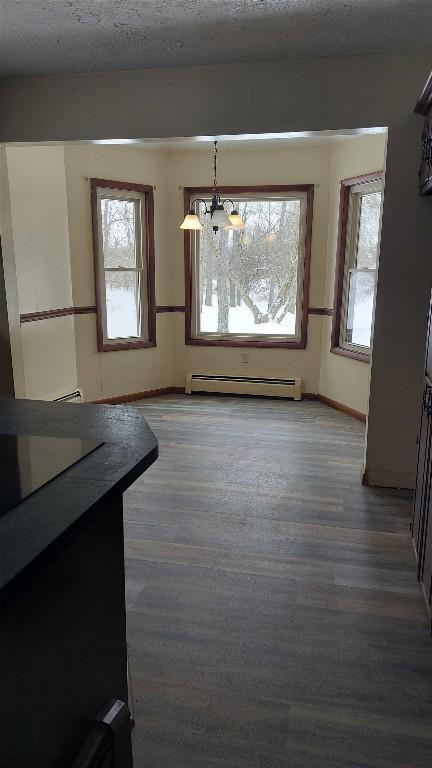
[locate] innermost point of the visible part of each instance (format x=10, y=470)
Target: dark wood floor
x=274, y=617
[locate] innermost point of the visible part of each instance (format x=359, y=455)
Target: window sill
x=363, y=357
x=120, y=346
x=263, y=343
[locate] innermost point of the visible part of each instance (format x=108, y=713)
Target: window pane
x=367, y=245
x=118, y=232
x=248, y=279
x=122, y=304
x=360, y=306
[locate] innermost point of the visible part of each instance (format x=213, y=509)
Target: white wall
x=343, y=379
x=38, y=212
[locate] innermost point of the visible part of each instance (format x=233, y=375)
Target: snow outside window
x=248, y=283
x=361, y=261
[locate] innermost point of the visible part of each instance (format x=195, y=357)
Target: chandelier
x=220, y=219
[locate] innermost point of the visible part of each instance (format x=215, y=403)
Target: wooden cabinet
x=422, y=514
x=424, y=107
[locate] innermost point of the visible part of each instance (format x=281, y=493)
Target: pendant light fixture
x=218, y=215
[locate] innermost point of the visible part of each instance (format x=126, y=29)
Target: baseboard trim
x=119, y=399
x=376, y=478
x=140, y=396
x=334, y=404
x=371, y=478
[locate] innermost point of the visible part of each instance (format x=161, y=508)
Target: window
x=356, y=265
x=124, y=264
x=250, y=287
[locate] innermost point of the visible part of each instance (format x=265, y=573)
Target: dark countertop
x=40, y=525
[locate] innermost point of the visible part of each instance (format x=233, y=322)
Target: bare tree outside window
x=361, y=265
x=249, y=279
x=122, y=287
x=124, y=264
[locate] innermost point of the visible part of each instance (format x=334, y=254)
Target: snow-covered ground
x=241, y=320
x=121, y=313
x=362, y=322
x=121, y=317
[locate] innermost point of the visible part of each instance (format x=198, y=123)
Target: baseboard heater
x=244, y=385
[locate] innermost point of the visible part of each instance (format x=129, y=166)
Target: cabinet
x=421, y=526
x=424, y=107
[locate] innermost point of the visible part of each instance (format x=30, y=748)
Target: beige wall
x=55, y=205
x=342, y=379
x=116, y=373
x=299, y=165
x=10, y=277
x=113, y=373
x=38, y=212
x=294, y=95
x=49, y=250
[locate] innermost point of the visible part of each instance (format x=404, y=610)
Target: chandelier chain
x=216, y=209
x=215, y=165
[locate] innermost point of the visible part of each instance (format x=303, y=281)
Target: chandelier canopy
x=220, y=219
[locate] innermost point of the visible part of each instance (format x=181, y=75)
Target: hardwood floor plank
x=274, y=616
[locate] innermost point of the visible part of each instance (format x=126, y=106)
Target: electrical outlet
x=244, y=357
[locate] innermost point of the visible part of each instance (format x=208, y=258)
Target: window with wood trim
x=123, y=241
x=250, y=287
x=356, y=265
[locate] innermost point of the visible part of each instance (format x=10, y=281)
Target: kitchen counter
x=63, y=653
x=33, y=531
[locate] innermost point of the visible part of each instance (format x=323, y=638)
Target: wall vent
x=244, y=385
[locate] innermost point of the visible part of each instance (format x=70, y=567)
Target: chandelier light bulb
x=235, y=220
x=191, y=221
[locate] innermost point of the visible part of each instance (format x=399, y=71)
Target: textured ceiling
x=56, y=36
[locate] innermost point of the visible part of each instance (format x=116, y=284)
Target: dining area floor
x=274, y=617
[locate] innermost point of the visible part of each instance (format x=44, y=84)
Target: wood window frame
x=299, y=343
x=344, y=201
x=147, y=192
